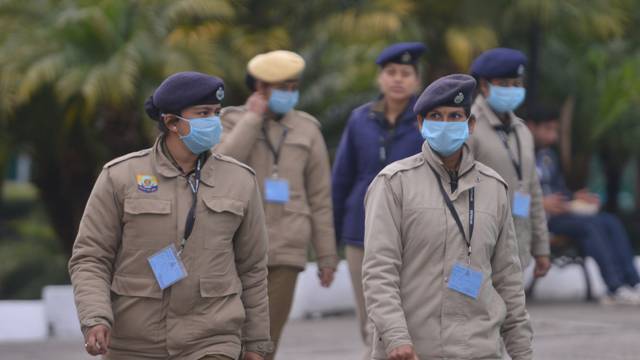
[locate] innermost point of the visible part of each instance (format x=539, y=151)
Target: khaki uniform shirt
x=411, y=245
x=223, y=300
x=489, y=149
x=304, y=163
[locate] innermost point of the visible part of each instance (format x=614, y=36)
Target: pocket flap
x=218, y=204
x=219, y=287
x=147, y=206
x=298, y=141
x=136, y=286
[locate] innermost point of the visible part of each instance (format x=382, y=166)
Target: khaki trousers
x=355, y=255
x=282, y=284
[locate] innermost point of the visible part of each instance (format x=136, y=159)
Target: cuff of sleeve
x=328, y=261
x=89, y=323
x=261, y=348
x=394, y=337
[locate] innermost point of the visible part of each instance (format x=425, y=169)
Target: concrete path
x=564, y=331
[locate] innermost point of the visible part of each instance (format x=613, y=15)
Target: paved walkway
x=563, y=332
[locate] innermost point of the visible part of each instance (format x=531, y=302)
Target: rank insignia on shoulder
x=147, y=183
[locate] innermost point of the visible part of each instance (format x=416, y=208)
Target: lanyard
x=504, y=136
x=454, y=212
x=275, y=151
x=194, y=184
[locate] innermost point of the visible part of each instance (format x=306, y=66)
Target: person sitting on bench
x=576, y=215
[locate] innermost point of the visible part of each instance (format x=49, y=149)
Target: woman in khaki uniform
x=503, y=142
x=170, y=258
x=286, y=149
x=441, y=274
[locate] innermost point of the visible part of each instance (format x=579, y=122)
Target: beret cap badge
x=406, y=57
x=220, y=93
x=459, y=98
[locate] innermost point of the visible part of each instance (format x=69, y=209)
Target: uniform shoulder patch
x=409, y=163
x=309, y=117
x=235, y=162
x=126, y=157
x=487, y=171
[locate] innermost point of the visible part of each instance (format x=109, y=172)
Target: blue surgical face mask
x=204, y=134
x=281, y=101
x=505, y=98
x=444, y=137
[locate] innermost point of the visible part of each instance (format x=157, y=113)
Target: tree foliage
x=75, y=73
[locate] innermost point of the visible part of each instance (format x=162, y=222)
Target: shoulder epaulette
x=487, y=171
x=309, y=117
x=409, y=163
x=234, y=161
x=126, y=157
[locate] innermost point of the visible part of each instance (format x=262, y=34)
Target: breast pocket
x=294, y=156
x=222, y=218
x=147, y=223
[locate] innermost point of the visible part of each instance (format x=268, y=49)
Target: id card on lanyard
x=462, y=278
x=521, y=199
x=276, y=190
x=166, y=264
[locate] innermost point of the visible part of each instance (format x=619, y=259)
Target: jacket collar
x=163, y=164
x=467, y=172
x=483, y=111
x=406, y=117
x=288, y=120
x=167, y=167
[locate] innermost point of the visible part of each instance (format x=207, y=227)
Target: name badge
x=276, y=191
x=465, y=280
x=521, y=204
x=167, y=267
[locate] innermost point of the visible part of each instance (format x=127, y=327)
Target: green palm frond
x=41, y=73
x=189, y=11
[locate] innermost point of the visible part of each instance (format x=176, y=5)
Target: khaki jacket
x=304, y=162
x=488, y=148
x=411, y=244
x=220, y=304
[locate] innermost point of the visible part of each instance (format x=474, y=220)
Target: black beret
x=401, y=53
x=450, y=90
x=184, y=89
x=499, y=63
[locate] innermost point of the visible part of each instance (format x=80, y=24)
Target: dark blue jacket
x=368, y=144
x=550, y=173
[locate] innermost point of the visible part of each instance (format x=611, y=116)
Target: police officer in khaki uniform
x=441, y=274
x=286, y=149
x=170, y=261
x=503, y=142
